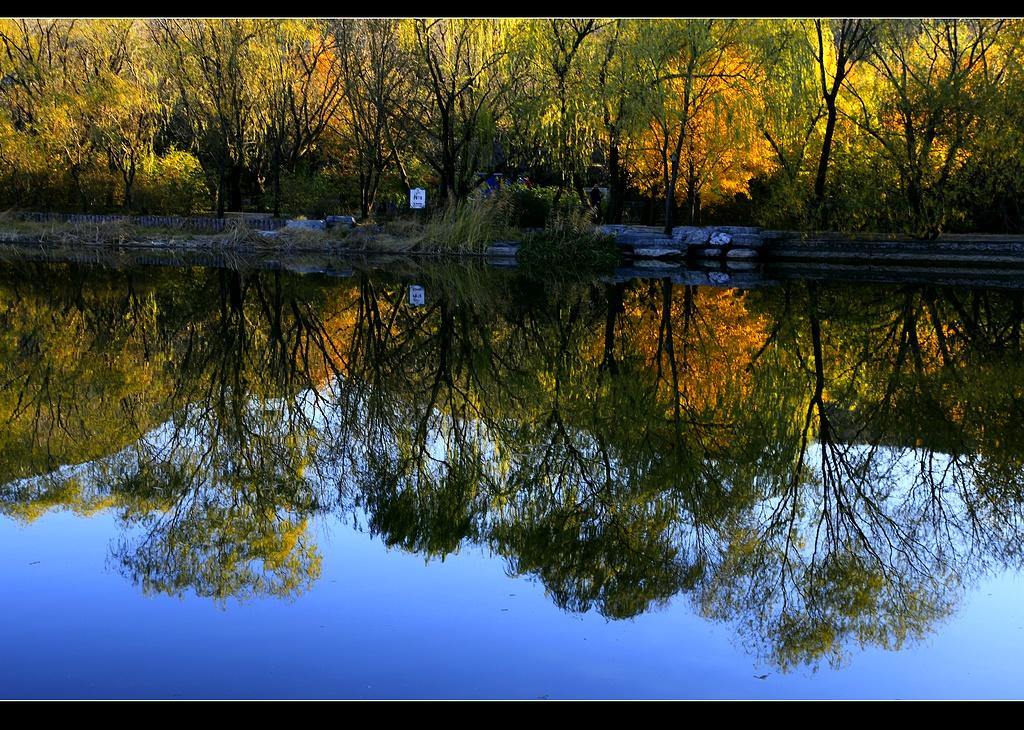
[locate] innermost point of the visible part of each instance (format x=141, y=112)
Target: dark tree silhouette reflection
x=822, y=466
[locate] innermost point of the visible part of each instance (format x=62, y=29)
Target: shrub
x=306, y=194
x=568, y=254
x=536, y=208
x=171, y=184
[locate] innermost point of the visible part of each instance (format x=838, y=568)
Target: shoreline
x=725, y=247
x=726, y=275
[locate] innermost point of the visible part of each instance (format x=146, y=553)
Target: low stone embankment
x=730, y=243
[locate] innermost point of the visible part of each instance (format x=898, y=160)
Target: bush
x=777, y=201
x=568, y=254
x=306, y=194
x=171, y=184
x=536, y=208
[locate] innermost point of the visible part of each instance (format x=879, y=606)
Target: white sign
x=415, y=296
x=417, y=198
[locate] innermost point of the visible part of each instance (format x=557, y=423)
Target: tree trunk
x=826, y=152
x=77, y=185
x=615, y=307
x=670, y=205
x=616, y=188
x=369, y=197
x=670, y=350
x=129, y=181
x=365, y=195
x=277, y=180
x=235, y=186
x=672, y=176
x=692, y=197
x=577, y=182
x=817, y=399
x=220, y=191
x=447, y=159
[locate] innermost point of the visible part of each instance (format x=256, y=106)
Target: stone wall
x=206, y=224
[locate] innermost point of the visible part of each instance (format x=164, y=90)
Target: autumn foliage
x=856, y=124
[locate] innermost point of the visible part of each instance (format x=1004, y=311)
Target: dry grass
x=238, y=235
x=91, y=234
x=467, y=227
x=460, y=228
x=304, y=239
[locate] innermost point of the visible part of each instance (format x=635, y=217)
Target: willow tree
x=41, y=58
x=687, y=66
x=932, y=86
x=563, y=60
x=374, y=76
x=219, y=68
x=841, y=44
x=80, y=94
x=617, y=85
x=129, y=116
x=789, y=109
x=458, y=96
x=306, y=92
x=992, y=181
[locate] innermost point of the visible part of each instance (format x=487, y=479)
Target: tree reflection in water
x=822, y=466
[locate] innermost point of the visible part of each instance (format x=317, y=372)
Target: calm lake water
x=223, y=482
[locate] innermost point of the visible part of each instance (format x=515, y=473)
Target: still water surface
x=251, y=483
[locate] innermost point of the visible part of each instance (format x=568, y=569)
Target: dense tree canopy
x=850, y=124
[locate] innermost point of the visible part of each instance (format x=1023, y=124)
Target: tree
x=307, y=90
x=851, y=41
x=686, y=65
x=217, y=67
x=789, y=108
x=374, y=72
x=562, y=56
x=458, y=96
x=78, y=91
x=617, y=84
x=932, y=88
x=128, y=117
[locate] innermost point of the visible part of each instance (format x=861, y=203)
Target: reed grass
x=467, y=227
